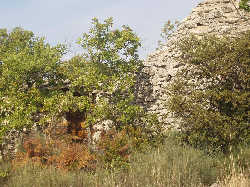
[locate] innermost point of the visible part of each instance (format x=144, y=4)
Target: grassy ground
x=167, y=165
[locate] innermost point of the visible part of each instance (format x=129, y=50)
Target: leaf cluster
x=244, y=4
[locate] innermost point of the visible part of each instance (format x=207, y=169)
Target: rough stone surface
x=216, y=17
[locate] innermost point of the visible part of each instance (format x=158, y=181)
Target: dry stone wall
x=217, y=17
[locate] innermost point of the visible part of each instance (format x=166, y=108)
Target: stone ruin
x=217, y=17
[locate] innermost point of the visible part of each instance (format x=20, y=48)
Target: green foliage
x=110, y=69
x=36, y=86
x=244, y=4
x=210, y=93
x=117, y=146
x=27, y=64
x=101, y=80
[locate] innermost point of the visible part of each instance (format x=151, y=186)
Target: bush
x=244, y=4
x=61, y=154
x=210, y=92
x=116, y=146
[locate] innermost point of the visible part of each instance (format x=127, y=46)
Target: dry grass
x=236, y=180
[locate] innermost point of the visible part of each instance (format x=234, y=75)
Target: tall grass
x=235, y=180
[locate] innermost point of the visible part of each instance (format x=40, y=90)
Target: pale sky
x=61, y=21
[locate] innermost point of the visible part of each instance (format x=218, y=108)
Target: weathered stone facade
x=217, y=17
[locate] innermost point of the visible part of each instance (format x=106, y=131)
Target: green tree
x=27, y=65
x=210, y=94
x=107, y=67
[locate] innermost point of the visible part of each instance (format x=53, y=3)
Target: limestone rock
x=217, y=17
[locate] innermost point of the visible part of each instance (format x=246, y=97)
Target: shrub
x=114, y=148
x=244, y=4
x=61, y=153
x=210, y=92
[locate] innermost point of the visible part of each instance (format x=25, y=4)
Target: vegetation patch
x=210, y=93
x=244, y=4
